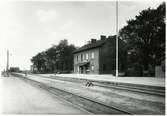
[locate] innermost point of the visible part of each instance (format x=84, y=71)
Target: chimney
x=93, y=40
x=102, y=37
x=88, y=42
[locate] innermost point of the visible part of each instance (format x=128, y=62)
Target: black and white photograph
x=82, y=57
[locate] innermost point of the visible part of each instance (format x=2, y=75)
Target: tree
x=51, y=56
x=146, y=36
x=56, y=58
x=65, y=55
x=39, y=61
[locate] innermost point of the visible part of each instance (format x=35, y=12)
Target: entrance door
x=87, y=68
x=81, y=69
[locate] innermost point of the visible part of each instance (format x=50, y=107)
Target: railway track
x=150, y=90
x=86, y=103
x=89, y=104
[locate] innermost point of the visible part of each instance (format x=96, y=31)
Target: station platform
x=148, y=81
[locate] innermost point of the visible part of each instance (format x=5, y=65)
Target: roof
x=95, y=44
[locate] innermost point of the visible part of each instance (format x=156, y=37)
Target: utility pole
x=7, y=64
x=117, y=38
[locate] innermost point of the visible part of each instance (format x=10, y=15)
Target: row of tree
x=57, y=58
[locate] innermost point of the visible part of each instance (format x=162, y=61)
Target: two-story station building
x=97, y=57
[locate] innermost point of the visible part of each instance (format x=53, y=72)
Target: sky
x=28, y=27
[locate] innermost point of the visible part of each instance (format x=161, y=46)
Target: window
x=84, y=56
x=77, y=58
x=87, y=56
x=81, y=57
x=92, y=55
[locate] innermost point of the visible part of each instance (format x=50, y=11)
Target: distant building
x=14, y=69
x=97, y=57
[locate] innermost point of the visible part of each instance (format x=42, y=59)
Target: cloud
x=67, y=25
x=46, y=15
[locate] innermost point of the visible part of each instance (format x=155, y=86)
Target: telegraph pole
x=117, y=38
x=7, y=64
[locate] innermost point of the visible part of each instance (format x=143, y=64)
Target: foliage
x=145, y=37
x=58, y=58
